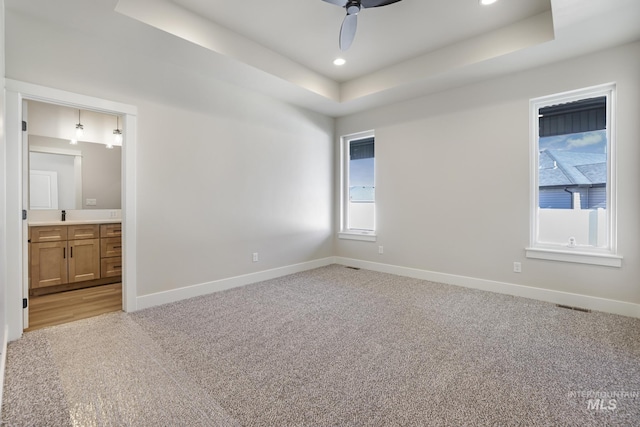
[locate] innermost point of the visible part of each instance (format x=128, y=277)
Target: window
x=358, y=186
x=573, y=180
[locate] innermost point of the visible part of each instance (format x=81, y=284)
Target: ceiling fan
x=350, y=23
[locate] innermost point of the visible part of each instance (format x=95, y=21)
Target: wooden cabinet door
x=48, y=264
x=84, y=260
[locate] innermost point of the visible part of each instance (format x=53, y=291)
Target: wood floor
x=64, y=307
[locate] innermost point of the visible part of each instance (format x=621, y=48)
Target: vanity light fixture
x=79, y=128
x=117, y=135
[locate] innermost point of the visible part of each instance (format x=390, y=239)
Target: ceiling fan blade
x=341, y=3
x=348, y=31
x=376, y=3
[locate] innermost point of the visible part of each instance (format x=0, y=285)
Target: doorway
x=74, y=163
x=17, y=227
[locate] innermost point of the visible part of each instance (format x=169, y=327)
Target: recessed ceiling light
x=487, y=2
x=339, y=61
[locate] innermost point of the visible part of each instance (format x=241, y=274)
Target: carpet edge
x=605, y=305
x=186, y=292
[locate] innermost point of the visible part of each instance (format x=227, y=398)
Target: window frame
x=345, y=232
x=605, y=256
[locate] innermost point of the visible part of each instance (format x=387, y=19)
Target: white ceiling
x=285, y=48
x=306, y=31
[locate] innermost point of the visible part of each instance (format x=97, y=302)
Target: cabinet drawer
x=111, y=267
x=110, y=247
x=111, y=230
x=48, y=233
x=76, y=232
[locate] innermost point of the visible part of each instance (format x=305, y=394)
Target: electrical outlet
x=380, y=250
x=255, y=257
x=517, y=267
x=91, y=202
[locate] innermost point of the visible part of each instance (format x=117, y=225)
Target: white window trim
x=345, y=232
x=366, y=236
x=581, y=254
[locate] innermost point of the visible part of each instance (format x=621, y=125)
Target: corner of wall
x=3, y=279
x=3, y=360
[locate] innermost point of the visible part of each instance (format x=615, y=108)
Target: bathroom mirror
x=62, y=175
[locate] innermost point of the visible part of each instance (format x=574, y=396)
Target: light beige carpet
x=331, y=346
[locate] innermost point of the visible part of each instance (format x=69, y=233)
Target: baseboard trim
x=556, y=297
x=547, y=295
x=159, y=298
x=3, y=360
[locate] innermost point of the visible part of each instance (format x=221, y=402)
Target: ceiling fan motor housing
x=353, y=7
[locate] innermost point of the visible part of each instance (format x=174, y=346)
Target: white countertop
x=76, y=222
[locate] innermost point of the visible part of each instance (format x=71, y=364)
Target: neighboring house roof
x=557, y=168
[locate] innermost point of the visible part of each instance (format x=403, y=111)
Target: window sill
x=576, y=256
x=367, y=236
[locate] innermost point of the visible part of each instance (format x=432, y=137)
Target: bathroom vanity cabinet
x=69, y=254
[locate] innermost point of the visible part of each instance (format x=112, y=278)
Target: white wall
x=221, y=172
x=101, y=176
x=3, y=239
x=452, y=184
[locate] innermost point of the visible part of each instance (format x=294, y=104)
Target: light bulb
x=79, y=128
x=117, y=137
x=79, y=131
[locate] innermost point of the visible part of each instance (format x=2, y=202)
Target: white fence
x=587, y=226
x=362, y=215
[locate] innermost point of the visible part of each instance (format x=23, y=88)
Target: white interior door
x=43, y=189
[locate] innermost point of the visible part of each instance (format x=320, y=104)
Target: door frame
x=16, y=229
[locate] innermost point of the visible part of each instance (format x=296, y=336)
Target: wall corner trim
x=165, y=297
x=547, y=295
x=3, y=360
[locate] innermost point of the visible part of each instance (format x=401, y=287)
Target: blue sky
x=361, y=172
x=582, y=142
